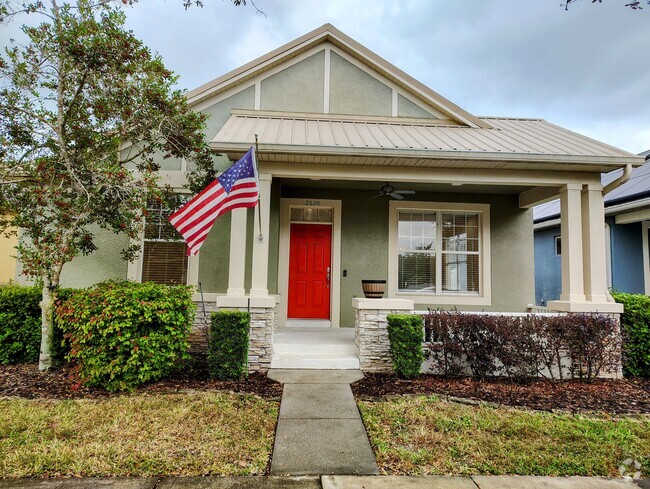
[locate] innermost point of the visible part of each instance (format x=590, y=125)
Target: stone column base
x=371, y=331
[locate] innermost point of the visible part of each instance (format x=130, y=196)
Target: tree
x=633, y=4
x=86, y=111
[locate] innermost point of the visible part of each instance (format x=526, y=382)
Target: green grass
x=185, y=435
x=424, y=435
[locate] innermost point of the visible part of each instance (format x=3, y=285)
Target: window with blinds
x=164, y=253
x=438, y=252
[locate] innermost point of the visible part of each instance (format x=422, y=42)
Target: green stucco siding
x=353, y=91
x=220, y=112
x=364, y=245
x=105, y=263
x=406, y=108
x=299, y=88
x=214, y=257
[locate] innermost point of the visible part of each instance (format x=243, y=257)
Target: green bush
x=20, y=325
x=125, y=334
x=635, y=328
x=228, y=344
x=406, y=334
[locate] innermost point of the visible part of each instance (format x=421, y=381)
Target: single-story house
x=627, y=220
x=366, y=173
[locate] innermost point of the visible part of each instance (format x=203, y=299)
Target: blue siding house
x=627, y=218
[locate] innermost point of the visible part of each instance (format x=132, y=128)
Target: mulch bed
x=629, y=396
x=26, y=381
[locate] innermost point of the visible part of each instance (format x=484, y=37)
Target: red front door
x=309, y=271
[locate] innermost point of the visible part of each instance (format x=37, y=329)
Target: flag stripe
x=237, y=187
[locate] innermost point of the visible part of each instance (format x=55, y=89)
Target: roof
x=329, y=33
x=504, y=143
x=636, y=188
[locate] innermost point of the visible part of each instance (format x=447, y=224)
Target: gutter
x=627, y=173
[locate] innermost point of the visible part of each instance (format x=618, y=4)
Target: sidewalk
x=330, y=482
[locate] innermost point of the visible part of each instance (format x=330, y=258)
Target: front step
x=321, y=362
x=314, y=348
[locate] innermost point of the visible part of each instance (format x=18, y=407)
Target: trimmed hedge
x=125, y=334
x=574, y=345
x=20, y=325
x=635, y=326
x=406, y=334
x=228, y=344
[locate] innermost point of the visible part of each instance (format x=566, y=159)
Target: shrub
x=482, y=345
x=406, y=334
x=635, y=326
x=20, y=325
x=125, y=334
x=228, y=344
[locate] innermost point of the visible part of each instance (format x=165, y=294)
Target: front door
x=310, y=263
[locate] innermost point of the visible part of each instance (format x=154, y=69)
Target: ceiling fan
x=390, y=191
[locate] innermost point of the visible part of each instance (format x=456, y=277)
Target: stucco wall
x=105, y=263
x=8, y=253
x=220, y=112
x=364, y=245
x=548, y=267
x=627, y=257
x=299, y=88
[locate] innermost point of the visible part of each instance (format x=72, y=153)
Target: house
x=366, y=173
x=627, y=219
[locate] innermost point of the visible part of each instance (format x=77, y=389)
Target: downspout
x=627, y=173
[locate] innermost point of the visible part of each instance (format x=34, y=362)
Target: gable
x=323, y=80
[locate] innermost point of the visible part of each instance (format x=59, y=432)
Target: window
x=164, y=253
x=439, y=253
x=558, y=245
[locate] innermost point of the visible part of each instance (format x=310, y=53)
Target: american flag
x=236, y=187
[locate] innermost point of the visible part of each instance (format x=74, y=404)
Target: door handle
x=328, y=277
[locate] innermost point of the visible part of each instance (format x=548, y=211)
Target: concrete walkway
x=319, y=428
x=328, y=482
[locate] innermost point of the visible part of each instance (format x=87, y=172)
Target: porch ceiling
x=372, y=187
x=524, y=144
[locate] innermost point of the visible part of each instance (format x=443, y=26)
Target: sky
x=586, y=69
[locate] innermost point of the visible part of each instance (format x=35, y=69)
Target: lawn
x=425, y=435
x=139, y=435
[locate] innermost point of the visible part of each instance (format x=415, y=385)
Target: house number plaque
x=312, y=202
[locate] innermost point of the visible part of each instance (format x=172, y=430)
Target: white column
x=571, y=231
x=259, y=285
x=593, y=241
x=237, y=267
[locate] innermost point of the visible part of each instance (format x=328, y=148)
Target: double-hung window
x=164, y=253
x=439, y=253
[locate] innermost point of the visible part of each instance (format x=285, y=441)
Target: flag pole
x=259, y=195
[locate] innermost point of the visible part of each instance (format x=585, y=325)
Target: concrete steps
x=314, y=348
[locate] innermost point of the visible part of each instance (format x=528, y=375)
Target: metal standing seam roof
x=637, y=187
x=523, y=138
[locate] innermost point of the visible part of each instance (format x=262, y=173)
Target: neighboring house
x=8, y=242
x=336, y=123
x=627, y=218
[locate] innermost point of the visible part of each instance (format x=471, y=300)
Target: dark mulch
x=26, y=381
x=629, y=396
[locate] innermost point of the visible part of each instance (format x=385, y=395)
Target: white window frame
x=484, y=296
x=134, y=268
x=557, y=240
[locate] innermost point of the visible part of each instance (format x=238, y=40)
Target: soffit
x=335, y=139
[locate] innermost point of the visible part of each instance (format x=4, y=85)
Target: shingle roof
x=637, y=187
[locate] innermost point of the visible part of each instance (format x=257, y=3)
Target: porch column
x=237, y=266
x=593, y=241
x=571, y=232
x=259, y=285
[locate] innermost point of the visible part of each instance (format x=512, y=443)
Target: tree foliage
x=86, y=114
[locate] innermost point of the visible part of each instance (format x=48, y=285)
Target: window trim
x=484, y=297
x=557, y=244
x=134, y=268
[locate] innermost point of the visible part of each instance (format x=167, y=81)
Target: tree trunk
x=47, y=327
